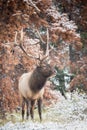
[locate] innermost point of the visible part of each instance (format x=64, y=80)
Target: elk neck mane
x=37, y=80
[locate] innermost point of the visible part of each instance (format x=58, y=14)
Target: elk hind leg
x=32, y=109
x=23, y=108
x=39, y=108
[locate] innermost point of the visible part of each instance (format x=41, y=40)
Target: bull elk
x=31, y=85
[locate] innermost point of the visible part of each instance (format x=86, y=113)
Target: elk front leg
x=39, y=108
x=28, y=110
x=23, y=108
x=32, y=109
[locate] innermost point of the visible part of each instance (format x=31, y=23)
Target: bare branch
x=17, y=13
x=15, y=40
x=36, y=8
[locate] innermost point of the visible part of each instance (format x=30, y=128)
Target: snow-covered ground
x=64, y=115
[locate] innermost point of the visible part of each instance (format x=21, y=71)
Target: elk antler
x=29, y=55
x=43, y=42
x=21, y=45
x=41, y=39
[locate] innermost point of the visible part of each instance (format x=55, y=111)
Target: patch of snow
x=68, y=114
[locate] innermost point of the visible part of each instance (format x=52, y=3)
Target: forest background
x=67, y=24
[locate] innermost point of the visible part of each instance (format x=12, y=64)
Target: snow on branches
x=36, y=13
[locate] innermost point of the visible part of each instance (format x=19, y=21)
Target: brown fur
x=39, y=77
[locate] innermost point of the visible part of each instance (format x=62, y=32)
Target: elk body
x=31, y=88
